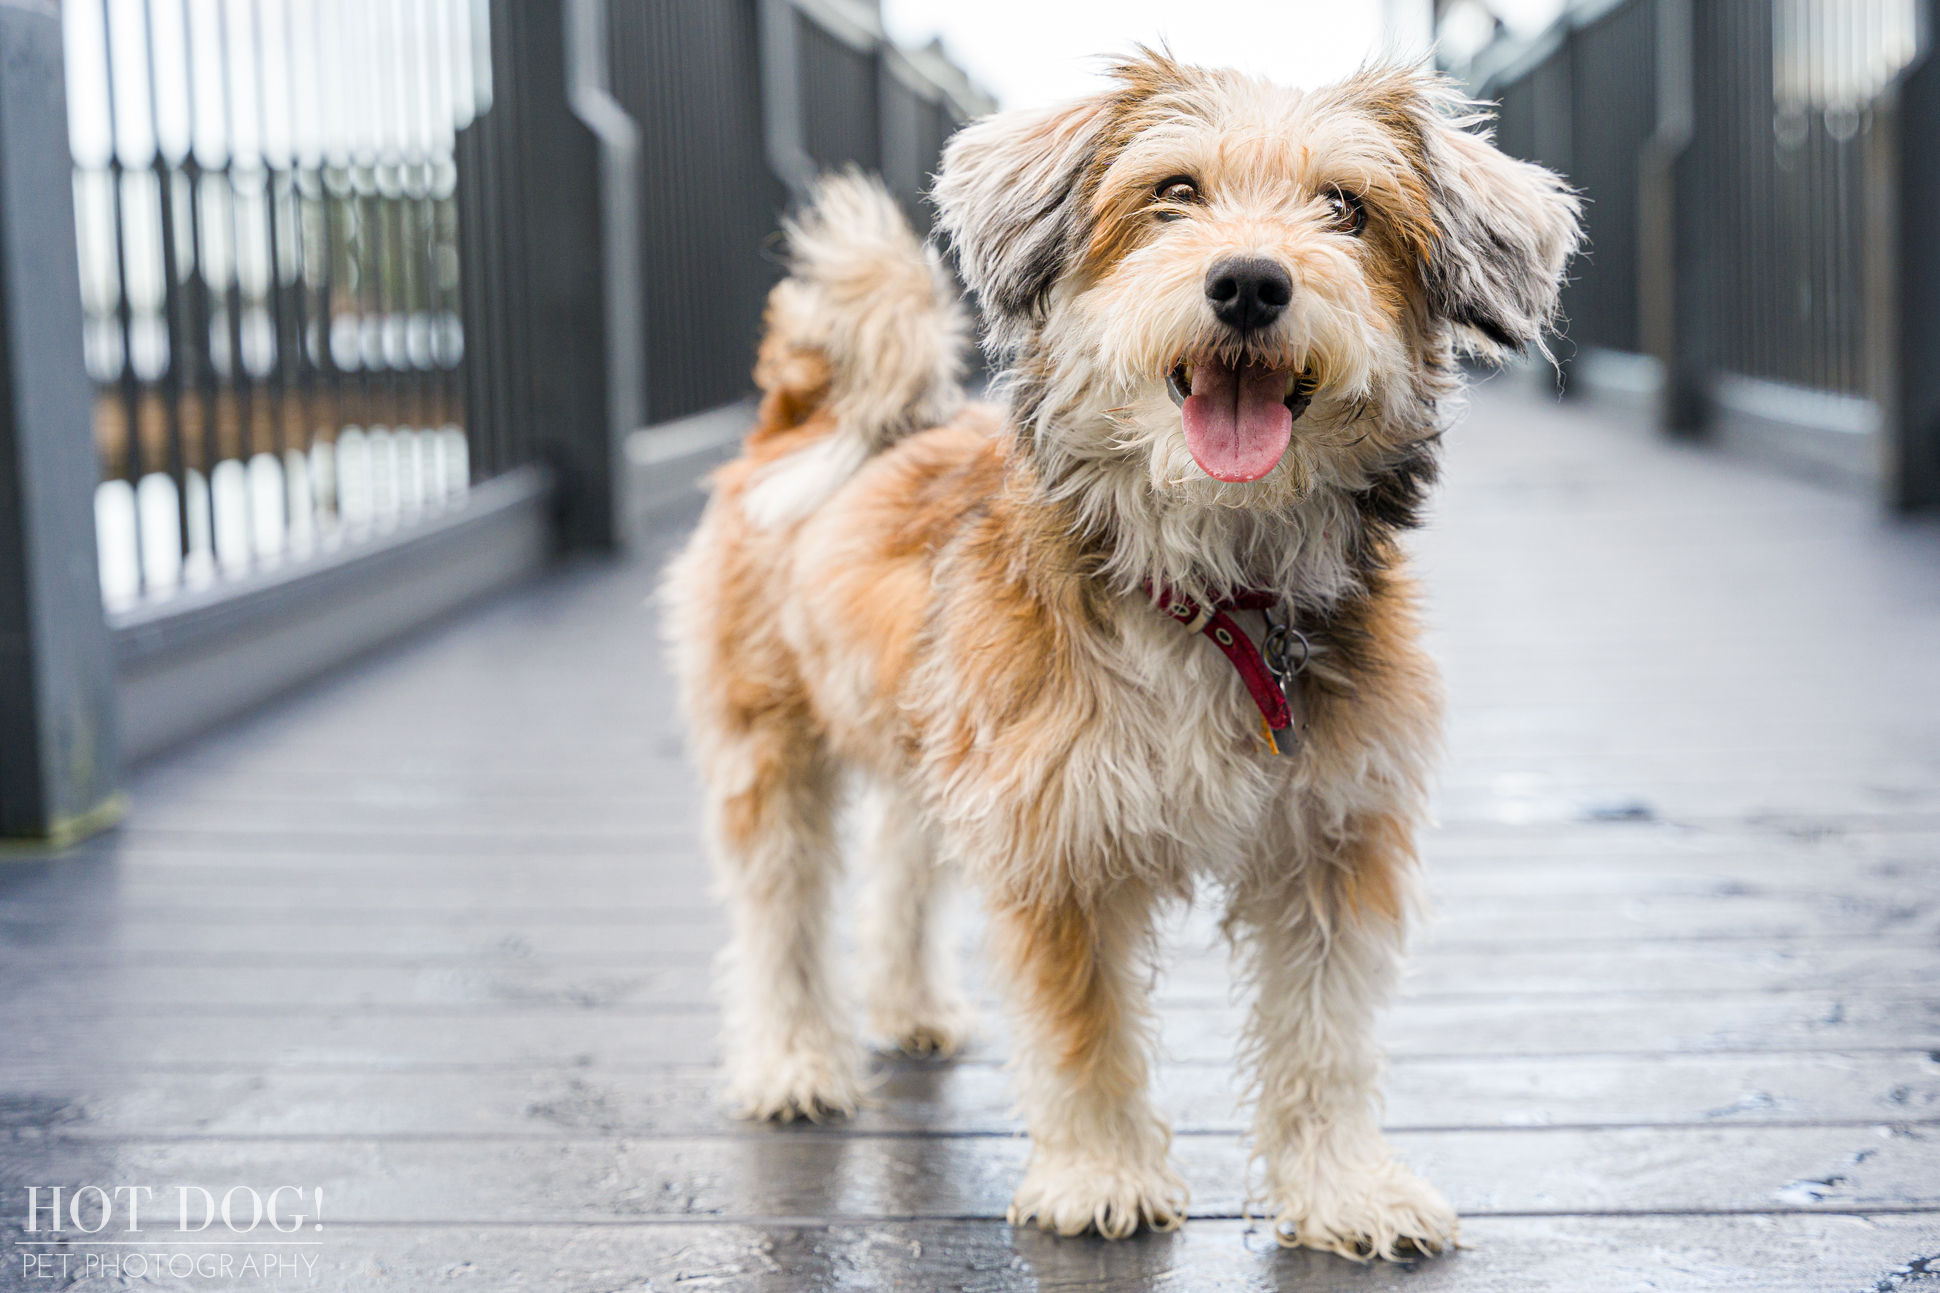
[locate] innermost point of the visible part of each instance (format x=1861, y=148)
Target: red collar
x=1215, y=622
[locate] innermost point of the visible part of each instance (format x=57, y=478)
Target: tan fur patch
x=1373, y=863
x=1050, y=954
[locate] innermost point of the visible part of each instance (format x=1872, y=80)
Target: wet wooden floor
x=435, y=938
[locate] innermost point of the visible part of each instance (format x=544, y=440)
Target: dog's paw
x=1071, y=1195
x=795, y=1084
x=940, y=1029
x=1389, y=1213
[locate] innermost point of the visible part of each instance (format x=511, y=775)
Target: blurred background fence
x=322, y=317
x=1760, y=215
x=293, y=216
x=265, y=203
x=381, y=303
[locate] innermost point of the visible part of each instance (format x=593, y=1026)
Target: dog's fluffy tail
x=866, y=334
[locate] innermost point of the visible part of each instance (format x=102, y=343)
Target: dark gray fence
x=1780, y=172
x=708, y=199
x=374, y=301
x=1744, y=169
x=1613, y=114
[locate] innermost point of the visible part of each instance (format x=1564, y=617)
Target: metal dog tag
x=1286, y=652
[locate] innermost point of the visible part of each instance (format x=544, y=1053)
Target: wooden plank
x=152, y=880
x=464, y=981
x=1486, y=922
x=820, y=1171
x=584, y=933
x=1768, y=868
x=1787, y=1254
x=908, y=1096
x=509, y=1035
x=644, y=975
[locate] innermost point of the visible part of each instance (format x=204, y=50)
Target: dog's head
x=1245, y=289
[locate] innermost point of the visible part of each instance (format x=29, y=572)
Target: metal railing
x=708, y=200
x=712, y=86
x=1745, y=163
x=325, y=317
x=267, y=222
x=1779, y=140
x=277, y=200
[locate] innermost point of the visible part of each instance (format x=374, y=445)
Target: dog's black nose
x=1248, y=293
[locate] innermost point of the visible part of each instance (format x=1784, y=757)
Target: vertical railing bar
x=171, y=300
x=514, y=432
x=485, y=345
x=272, y=183
x=330, y=179
x=304, y=392
x=306, y=376
x=499, y=300
x=359, y=386
x=126, y=383
x=522, y=426
x=466, y=236
x=242, y=393
x=421, y=256
x=473, y=266
x=387, y=197
x=345, y=411
x=201, y=318
x=496, y=299
x=430, y=378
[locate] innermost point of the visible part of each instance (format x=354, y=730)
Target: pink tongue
x=1237, y=420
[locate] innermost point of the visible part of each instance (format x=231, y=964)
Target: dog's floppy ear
x=1503, y=230
x=1011, y=199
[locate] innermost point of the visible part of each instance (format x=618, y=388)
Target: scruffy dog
x=1231, y=314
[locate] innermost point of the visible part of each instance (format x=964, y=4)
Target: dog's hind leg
x=907, y=967
x=790, y=1048
x=1079, y=972
x=1320, y=938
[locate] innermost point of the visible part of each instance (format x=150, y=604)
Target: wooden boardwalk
x=435, y=937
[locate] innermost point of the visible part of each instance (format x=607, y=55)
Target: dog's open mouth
x=1238, y=417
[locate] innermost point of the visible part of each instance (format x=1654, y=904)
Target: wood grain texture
x=436, y=935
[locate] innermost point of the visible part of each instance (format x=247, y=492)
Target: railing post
x=1680, y=407
x=57, y=731
x=589, y=89
x=783, y=131
x=575, y=193
x=1692, y=267
x=1903, y=278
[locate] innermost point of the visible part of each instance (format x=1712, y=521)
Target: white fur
x=914, y=1005
x=792, y=487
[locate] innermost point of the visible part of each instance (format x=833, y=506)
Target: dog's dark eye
x=1345, y=212
x=1179, y=191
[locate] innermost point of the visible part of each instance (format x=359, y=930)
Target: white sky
x=1040, y=51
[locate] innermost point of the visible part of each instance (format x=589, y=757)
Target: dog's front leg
x=1321, y=939
x=1078, y=971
